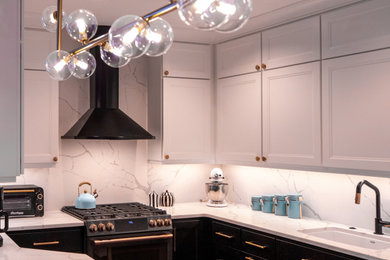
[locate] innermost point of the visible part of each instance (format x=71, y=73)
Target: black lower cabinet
x=192, y=239
x=59, y=239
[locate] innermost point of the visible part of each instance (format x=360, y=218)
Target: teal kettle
x=86, y=200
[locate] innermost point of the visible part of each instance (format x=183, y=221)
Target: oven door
x=141, y=246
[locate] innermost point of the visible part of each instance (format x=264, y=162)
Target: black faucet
x=379, y=223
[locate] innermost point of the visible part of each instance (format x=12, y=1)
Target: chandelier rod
x=58, y=17
x=148, y=17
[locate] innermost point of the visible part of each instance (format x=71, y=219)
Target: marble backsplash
x=326, y=196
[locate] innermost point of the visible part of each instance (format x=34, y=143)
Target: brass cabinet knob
x=257, y=158
x=263, y=66
x=166, y=73
x=55, y=159
x=166, y=157
x=257, y=67
x=264, y=158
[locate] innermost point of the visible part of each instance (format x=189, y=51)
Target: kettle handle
x=83, y=183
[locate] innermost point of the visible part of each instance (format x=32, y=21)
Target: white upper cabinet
x=185, y=60
x=37, y=45
x=293, y=43
x=10, y=89
x=239, y=56
x=291, y=115
x=187, y=119
x=355, y=29
x=239, y=120
x=356, y=122
x=40, y=119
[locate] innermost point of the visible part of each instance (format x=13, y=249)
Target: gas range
x=121, y=218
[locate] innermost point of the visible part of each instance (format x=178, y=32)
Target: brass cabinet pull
x=223, y=235
x=254, y=244
x=131, y=239
x=166, y=73
x=264, y=158
x=46, y=243
x=257, y=158
x=55, y=159
x=257, y=67
x=249, y=258
x=166, y=157
x=305, y=259
x=263, y=66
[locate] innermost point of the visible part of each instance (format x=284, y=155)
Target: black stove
x=121, y=218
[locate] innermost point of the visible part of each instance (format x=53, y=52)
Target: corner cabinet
x=179, y=106
x=11, y=89
x=356, y=122
x=41, y=102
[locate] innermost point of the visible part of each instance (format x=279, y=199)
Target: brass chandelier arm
x=148, y=17
x=59, y=24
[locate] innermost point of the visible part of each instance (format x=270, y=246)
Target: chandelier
x=132, y=36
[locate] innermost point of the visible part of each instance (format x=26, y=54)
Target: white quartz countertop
x=52, y=219
x=282, y=226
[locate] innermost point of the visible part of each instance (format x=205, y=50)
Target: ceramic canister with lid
x=267, y=203
x=256, y=204
x=280, y=205
x=294, y=205
x=167, y=199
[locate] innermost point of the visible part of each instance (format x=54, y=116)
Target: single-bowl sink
x=350, y=237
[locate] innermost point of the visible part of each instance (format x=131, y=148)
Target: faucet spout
x=378, y=221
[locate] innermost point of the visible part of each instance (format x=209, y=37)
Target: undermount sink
x=350, y=237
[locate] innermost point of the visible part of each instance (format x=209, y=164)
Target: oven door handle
x=131, y=239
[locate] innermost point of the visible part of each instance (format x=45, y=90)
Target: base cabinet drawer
x=226, y=253
x=226, y=235
x=258, y=244
x=67, y=239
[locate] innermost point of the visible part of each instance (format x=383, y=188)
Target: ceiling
x=266, y=13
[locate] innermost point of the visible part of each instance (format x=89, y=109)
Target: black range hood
x=104, y=119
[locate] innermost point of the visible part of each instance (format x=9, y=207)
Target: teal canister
x=267, y=203
x=256, y=204
x=294, y=205
x=280, y=205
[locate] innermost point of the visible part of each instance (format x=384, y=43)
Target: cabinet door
x=239, y=56
x=255, y=243
x=40, y=119
x=187, y=119
x=356, y=122
x=10, y=88
x=291, y=115
x=293, y=43
x=186, y=240
x=187, y=60
x=355, y=29
x=37, y=45
x=239, y=119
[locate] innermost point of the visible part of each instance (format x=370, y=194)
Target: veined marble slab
x=282, y=226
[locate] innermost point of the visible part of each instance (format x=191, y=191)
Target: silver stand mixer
x=216, y=190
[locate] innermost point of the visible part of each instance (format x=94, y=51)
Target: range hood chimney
x=104, y=119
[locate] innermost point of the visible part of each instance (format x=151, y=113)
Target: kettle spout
x=95, y=194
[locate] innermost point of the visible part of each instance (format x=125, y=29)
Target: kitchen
x=122, y=171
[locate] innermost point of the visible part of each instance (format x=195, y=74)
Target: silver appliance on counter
x=216, y=190
x=131, y=231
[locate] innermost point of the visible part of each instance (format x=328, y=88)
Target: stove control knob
x=167, y=222
x=101, y=227
x=93, y=228
x=109, y=226
x=152, y=223
x=160, y=222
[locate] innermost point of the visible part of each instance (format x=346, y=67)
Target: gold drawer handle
x=254, y=244
x=46, y=243
x=305, y=259
x=223, y=235
x=249, y=258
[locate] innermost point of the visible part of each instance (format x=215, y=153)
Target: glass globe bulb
x=129, y=34
x=82, y=25
x=113, y=56
x=84, y=65
x=239, y=12
x=160, y=36
x=59, y=65
x=49, y=19
x=202, y=14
